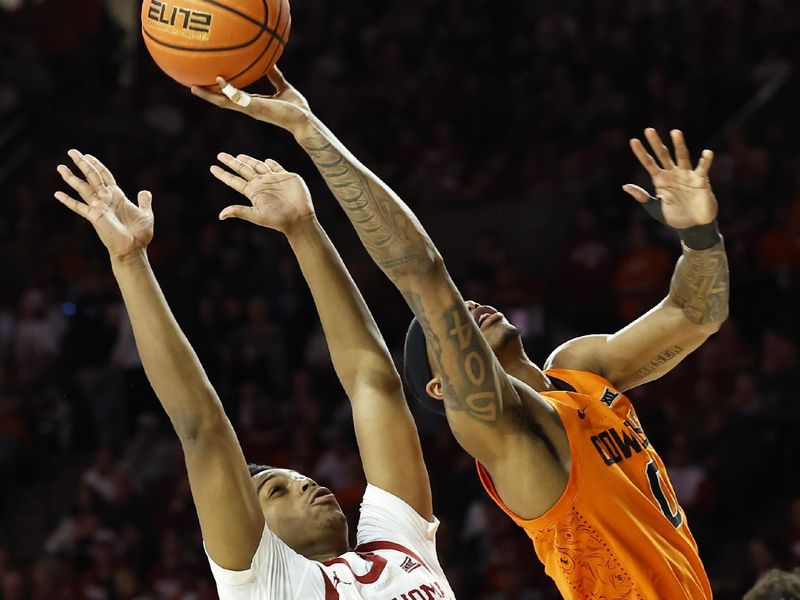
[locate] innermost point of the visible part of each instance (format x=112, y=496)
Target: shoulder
x=274, y=569
x=580, y=354
x=380, y=506
x=387, y=518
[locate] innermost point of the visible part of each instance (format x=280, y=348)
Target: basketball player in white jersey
x=273, y=534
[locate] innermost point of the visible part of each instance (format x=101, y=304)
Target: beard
x=507, y=334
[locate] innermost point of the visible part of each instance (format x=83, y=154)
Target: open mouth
x=486, y=316
x=487, y=321
x=323, y=496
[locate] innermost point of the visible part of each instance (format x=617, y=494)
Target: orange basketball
x=193, y=41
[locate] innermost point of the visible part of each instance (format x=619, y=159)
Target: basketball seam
x=250, y=19
x=274, y=39
x=191, y=49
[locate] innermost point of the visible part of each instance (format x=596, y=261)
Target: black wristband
x=653, y=208
x=701, y=237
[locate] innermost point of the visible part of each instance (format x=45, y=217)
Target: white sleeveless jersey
x=395, y=560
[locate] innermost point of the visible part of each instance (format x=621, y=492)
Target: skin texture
x=233, y=507
x=488, y=385
x=385, y=430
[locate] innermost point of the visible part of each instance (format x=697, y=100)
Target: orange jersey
x=617, y=531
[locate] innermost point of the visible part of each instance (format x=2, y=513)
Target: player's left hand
x=685, y=193
x=280, y=199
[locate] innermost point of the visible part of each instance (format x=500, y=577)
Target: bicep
x=224, y=495
x=389, y=445
x=643, y=351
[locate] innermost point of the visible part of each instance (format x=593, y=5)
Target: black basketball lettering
x=186, y=14
x=153, y=10
x=675, y=518
x=170, y=24
x=200, y=22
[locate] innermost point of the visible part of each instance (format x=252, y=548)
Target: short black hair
x=256, y=469
x=417, y=370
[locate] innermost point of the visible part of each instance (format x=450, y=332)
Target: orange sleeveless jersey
x=617, y=531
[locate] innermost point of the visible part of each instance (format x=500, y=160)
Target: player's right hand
x=122, y=226
x=280, y=200
x=287, y=108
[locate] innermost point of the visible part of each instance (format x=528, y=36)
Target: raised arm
x=697, y=303
x=224, y=496
x=385, y=430
x=501, y=422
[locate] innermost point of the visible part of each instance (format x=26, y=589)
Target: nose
x=307, y=483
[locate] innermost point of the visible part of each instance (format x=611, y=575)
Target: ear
x=434, y=388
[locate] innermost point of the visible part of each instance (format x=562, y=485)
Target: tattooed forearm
x=701, y=285
x=473, y=379
x=434, y=347
x=387, y=228
x=656, y=363
x=462, y=361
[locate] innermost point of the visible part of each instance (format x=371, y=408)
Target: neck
x=325, y=556
x=328, y=552
x=517, y=364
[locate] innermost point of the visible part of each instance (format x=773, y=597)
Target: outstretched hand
x=287, y=108
x=687, y=199
x=122, y=226
x=280, y=200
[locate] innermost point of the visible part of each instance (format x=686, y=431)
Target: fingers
x=237, y=212
x=214, y=98
x=256, y=165
x=644, y=157
x=660, y=150
x=247, y=172
x=681, y=151
x=274, y=166
x=277, y=79
x=704, y=165
x=76, y=183
x=80, y=208
x=105, y=175
x=234, y=94
x=639, y=194
x=229, y=178
x=145, y=200
x=91, y=174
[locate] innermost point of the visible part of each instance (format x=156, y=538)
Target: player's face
x=494, y=326
x=297, y=510
x=496, y=330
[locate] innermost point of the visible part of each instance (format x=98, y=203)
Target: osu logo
x=185, y=22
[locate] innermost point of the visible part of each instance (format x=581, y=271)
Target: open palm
x=279, y=199
x=122, y=226
x=686, y=196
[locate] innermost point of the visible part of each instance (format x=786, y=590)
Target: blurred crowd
x=518, y=112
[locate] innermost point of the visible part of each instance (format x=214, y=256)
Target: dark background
x=505, y=126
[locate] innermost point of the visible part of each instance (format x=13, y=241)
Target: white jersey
x=395, y=559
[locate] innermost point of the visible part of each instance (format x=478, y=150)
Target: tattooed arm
x=500, y=421
x=697, y=303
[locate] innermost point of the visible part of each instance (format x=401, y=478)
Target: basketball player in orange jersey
x=274, y=534
x=560, y=450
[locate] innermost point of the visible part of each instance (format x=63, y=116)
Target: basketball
x=194, y=41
